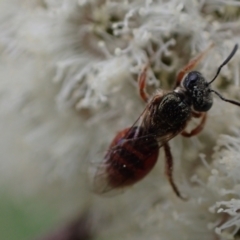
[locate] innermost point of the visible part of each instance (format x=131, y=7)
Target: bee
x=134, y=151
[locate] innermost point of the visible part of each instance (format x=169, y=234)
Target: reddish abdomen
x=130, y=157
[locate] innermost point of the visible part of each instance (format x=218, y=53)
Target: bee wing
x=102, y=174
x=164, y=139
x=98, y=171
x=100, y=182
x=114, y=174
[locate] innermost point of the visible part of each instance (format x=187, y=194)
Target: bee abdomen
x=131, y=159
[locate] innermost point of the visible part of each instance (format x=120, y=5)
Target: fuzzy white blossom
x=68, y=75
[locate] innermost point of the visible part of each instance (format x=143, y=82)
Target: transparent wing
x=101, y=173
x=100, y=181
x=129, y=158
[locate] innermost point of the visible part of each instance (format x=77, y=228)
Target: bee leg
x=169, y=170
x=192, y=64
x=198, y=128
x=142, y=84
x=197, y=114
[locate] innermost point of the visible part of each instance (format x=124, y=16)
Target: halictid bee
x=134, y=151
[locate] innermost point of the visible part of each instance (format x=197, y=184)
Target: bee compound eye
x=193, y=77
x=191, y=80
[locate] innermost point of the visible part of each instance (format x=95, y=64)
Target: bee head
x=198, y=91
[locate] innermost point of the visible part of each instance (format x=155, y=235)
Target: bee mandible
x=134, y=151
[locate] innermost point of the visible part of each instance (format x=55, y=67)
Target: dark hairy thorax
x=168, y=115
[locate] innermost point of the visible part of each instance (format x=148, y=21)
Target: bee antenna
x=225, y=62
x=225, y=99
